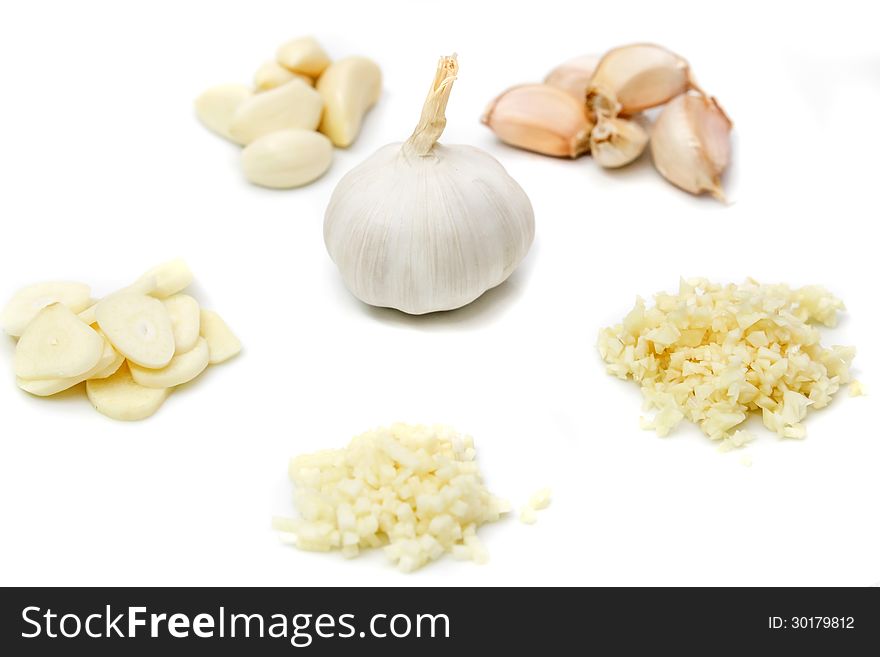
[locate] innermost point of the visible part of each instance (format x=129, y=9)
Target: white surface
x=106, y=172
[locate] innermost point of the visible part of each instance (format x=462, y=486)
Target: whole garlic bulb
x=423, y=227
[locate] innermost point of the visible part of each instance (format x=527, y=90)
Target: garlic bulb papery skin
x=423, y=227
x=690, y=144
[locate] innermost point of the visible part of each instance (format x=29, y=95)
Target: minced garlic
x=713, y=354
x=415, y=490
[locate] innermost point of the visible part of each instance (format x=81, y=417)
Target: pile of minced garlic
x=713, y=353
x=416, y=490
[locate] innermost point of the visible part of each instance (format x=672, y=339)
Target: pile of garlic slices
x=714, y=354
x=300, y=105
x=131, y=348
x=594, y=105
x=414, y=490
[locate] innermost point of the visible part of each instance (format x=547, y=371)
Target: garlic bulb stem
x=433, y=119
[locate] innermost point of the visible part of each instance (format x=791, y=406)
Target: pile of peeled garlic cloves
x=595, y=105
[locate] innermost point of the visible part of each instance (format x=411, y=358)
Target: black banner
x=334, y=621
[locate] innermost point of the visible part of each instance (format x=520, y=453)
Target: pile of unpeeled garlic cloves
x=594, y=105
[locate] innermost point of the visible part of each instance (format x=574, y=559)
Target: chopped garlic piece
x=714, y=354
x=414, y=490
x=541, y=499
x=528, y=515
x=856, y=389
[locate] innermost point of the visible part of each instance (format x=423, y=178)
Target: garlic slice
x=138, y=326
x=29, y=301
x=540, y=118
x=57, y=345
x=222, y=342
x=636, y=77
x=616, y=142
x=690, y=144
x=120, y=398
x=184, y=312
x=182, y=368
x=573, y=76
x=109, y=359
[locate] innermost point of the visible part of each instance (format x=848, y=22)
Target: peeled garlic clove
x=222, y=342
x=540, y=118
x=138, y=326
x=287, y=158
x=573, y=76
x=304, y=55
x=617, y=142
x=690, y=144
x=292, y=105
x=182, y=369
x=216, y=107
x=57, y=345
x=29, y=301
x=633, y=78
x=272, y=74
x=349, y=87
x=120, y=398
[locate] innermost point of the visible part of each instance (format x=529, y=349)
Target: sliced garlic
x=216, y=107
x=636, y=77
x=184, y=312
x=690, y=144
x=616, y=142
x=573, y=76
x=182, y=368
x=292, y=105
x=304, y=55
x=29, y=301
x=272, y=74
x=349, y=87
x=164, y=280
x=540, y=118
x=120, y=398
x=287, y=158
x=57, y=345
x=110, y=358
x=222, y=343
x=138, y=326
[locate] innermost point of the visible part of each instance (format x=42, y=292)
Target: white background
x=105, y=172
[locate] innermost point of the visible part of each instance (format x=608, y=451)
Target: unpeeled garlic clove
x=287, y=158
x=272, y=74
x=573, y=76
x=540, y=118
x=304, y=55
x=216, y=106
x=349, y=87
x=292, y=105
x=616, y=142
x=690, y=144
x=633, y=78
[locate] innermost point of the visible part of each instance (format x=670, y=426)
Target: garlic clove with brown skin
x=573, y=76
x=690, y=144
x=615, y=142
x=637, y=77
x=540, y=118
